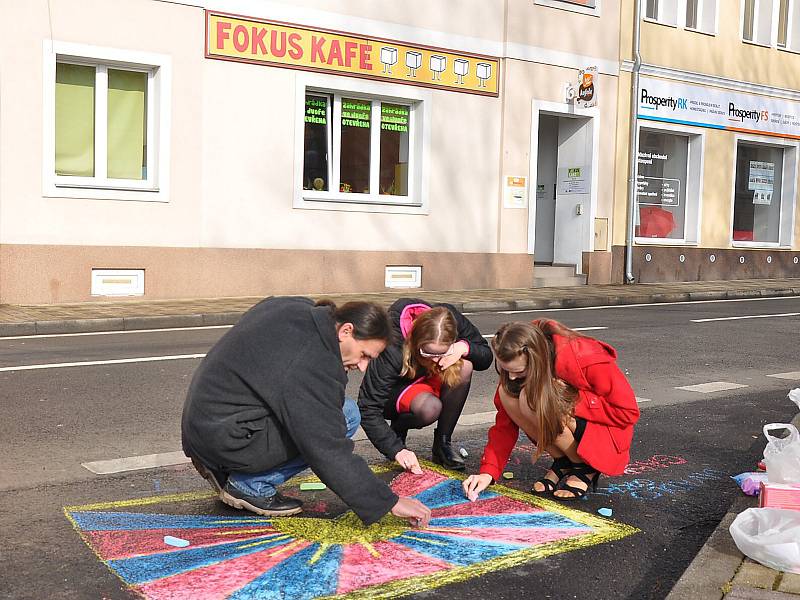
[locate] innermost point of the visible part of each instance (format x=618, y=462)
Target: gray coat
x=273, y=388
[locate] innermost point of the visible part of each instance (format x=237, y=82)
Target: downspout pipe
x=633, y=143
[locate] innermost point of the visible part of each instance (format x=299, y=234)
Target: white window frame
x=791, y=27
x=159, y=69
x=773, y=35
x=568, y=6
x=695, y=169
x=791, y=151
x=419, y=101
x=680, y=15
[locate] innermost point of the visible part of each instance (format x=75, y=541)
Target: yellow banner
x=278, y=44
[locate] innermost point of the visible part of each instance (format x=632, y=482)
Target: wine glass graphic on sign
x=413, y=62
x=438, y=65
x=483, y=71
x=460, y=68
x=388, y=58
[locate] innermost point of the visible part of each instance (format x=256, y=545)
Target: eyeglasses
x=424, y=354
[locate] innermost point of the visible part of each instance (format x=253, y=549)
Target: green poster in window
x=74, y=120
x=356, y=113
x=127, y=124
x=394, y=117
x=316, y=110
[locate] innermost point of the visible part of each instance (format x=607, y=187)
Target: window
x=586, y=7
x=667, y=186
x=696, y=15
x=757, y=21
x=89, y=146
x=360, y=147
x=788, y=28
x=106, y=123
x=757, y=193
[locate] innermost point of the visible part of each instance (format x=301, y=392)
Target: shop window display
x=661, y=185
x=757, y=193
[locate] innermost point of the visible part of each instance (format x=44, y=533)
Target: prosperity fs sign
x=674, y=102
x=276, y=44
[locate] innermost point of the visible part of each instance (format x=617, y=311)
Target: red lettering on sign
x=240, y=38
x=294, y=41
x=222, y=34
x=349, y=52
x=335, y=53
x=316, y=49
x=363, y=57
x=277, y=50
x=258, y=40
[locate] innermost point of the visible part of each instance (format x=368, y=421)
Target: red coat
x=605, y=399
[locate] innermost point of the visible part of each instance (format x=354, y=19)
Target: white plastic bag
x=794, y=396
x=770, y=536
x=782, y=455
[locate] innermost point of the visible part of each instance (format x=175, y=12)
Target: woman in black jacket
x=422, y=378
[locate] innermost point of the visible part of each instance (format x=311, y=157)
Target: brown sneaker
x=216, y=479
x=277, y=505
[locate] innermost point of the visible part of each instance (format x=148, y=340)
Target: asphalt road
x=687, y=444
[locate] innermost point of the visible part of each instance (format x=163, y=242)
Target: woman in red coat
x=565, y=391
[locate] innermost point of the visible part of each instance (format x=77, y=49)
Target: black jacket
x=383, y=375
x=272, y=388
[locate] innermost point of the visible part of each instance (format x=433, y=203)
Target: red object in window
x=742, y=235
x=655, y=222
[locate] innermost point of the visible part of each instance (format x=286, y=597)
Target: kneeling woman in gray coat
x=269, y=400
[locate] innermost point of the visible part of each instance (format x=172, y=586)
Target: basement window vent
x=403, y=277
x=117, y=282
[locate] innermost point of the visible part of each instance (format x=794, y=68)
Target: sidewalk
x=132, y=314
x=720, y=571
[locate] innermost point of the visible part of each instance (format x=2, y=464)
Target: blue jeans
x=264, y=484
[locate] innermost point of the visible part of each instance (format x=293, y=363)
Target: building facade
x=717, y=111
x=165, y=149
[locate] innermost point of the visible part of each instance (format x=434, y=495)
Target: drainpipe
x=634, y=144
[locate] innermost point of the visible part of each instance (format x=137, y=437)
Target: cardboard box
x=779, y=495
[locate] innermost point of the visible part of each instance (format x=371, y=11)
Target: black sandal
x=560, y=468
x=586, y=474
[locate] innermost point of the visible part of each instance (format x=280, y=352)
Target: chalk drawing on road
x=247, y=556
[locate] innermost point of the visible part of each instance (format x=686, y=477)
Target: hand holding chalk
x=475, y=484
x=408, y=460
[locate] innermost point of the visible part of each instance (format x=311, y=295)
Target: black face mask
x=514, y=386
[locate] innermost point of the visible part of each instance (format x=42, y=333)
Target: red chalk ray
x=219, y=580
x=115, y=544
x=533, y=536
x=499, y=505
x=408, y=484
x=360, y=569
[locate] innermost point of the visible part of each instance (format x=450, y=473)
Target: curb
x=718, y=560
x=134, y=323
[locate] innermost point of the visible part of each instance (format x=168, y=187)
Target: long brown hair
x=435, y=326
x=551, y=399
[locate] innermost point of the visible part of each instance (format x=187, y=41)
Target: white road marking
x=89, y=363
x=713, y=386
x=792, y=375
x=491, y=335
x=604, y=307
x=135, y=463
x=640, y=400
x=56, y=335
x=794, y=314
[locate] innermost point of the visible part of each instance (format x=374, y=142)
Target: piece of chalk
x=606, y=512
x=508, y=475
x=463, y=452
x=177, y=542
x=305, y=487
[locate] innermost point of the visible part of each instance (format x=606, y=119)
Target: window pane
x=394, y=149
x=315, y=149
x=691, y=13
x=127, y=124
x=757, y=199
x=75, y=120
x=661, y=185
x=651, y=9
x=354, y=159
x=749, y=13
x=783, y=22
